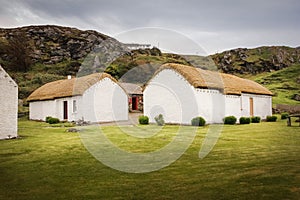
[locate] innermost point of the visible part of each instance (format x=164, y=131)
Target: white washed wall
x=233, y=106
x=8, y=106
x=39, y=110
x=211, y=105
x=105, y=101
x=262, y=105
x=168, y=93
x=59, y=108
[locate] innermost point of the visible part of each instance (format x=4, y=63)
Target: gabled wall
x=8, y=106
x=105, y=101
x=169, y=94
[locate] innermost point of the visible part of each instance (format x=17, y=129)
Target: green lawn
x=256, y=161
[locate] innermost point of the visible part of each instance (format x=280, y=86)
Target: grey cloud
x=216, y=15
x=187, y=16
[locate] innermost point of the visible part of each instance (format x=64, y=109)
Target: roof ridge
x=67, y=87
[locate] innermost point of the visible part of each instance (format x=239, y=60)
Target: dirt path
x=132, y=120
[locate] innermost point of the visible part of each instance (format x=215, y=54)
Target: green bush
x=244, y=120
x=198, y=121
x=47, y=119
x=271, y=118
x=143, y=119
x=284, y=115
x=255, y=119
x=229, y=120
x=52, y=120
x=159, y=120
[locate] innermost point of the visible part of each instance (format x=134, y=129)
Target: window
x=74, y=106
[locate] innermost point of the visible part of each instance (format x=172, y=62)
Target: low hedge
x=255, y=119
x=143, y=119
x=229, y=120
x=271, y=118
x=244, y=120
x=284, y=115
x=198, y=121
x=52, y=120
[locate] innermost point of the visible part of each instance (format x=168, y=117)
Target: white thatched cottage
x=8, y=106
x=135, y=96
x=94, y=98
x=182, y=92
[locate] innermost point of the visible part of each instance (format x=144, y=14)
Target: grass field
x=256, y=161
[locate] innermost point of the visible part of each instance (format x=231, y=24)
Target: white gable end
x=8, y=106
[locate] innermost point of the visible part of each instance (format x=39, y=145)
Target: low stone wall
x=291, y=109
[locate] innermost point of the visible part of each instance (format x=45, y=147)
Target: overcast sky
x=181, y=26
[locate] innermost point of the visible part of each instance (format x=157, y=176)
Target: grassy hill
x=285, y=84
x=139, y=65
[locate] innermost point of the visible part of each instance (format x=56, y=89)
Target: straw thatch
x=228, y=84
x=67, y=87
x=131, y=88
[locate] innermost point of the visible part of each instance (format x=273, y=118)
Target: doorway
x=251, y=106
x=134, y=103
x=65, y=110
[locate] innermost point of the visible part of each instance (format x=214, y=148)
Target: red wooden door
x=134, y=103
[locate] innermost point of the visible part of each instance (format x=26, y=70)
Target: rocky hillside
x=51, y=45
x=257, y=60
x=68, y=48
x=35, y=55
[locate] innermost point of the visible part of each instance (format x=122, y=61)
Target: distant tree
x=18, y=52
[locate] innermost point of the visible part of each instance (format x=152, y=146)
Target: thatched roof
x=67, y=87
x=227, y=83
x=131, y=88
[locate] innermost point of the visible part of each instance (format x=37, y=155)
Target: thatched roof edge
x=67, y=87
x=226, y=83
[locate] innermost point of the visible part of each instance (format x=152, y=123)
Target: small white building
x=93, y=98
x=180, y=93
x=8, y=106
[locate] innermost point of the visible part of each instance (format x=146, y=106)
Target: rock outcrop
x=54, y=44
x=254, y=61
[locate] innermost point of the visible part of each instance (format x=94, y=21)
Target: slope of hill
x=284, y=83
x=35, y=55
x=138, y=66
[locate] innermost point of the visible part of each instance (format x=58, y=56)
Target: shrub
x=47, y=119
x=143, y=119
x=284, y=115
x=244, y=120
x=229, y=120
x=159, y=120
x=198, y=121
x=255, y=119
x=271, y=118
x=52, y=120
